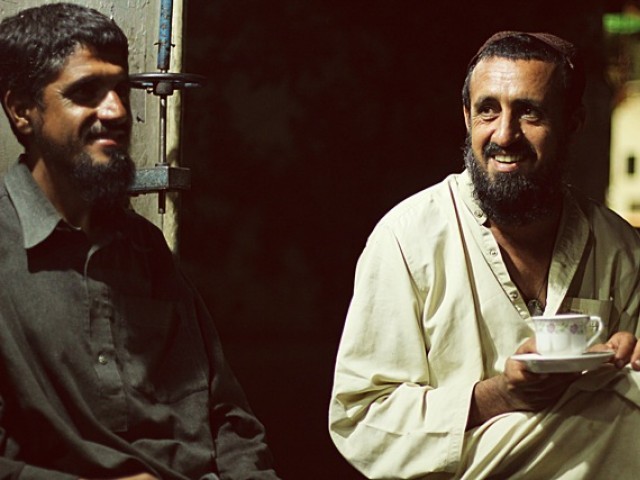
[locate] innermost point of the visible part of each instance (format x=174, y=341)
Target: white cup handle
x=596, y=335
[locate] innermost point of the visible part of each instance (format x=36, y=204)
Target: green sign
x=621, y=23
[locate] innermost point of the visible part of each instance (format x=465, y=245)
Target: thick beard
x=514, y=199
x=104, y=186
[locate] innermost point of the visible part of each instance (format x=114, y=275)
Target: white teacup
x=566, y=334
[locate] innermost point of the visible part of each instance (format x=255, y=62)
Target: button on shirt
x=109, y=362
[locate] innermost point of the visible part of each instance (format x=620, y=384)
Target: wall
x=623, y=46
x=624, y=191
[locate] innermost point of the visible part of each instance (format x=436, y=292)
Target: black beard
x=514, y=199
x=104, y=186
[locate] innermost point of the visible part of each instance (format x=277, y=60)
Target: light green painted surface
x=621, y=23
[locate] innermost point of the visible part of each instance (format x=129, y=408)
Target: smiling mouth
x=108, y=137
x=508, y=158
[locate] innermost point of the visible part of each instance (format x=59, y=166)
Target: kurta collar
x=466, y=191
x=38, y=217
x=571, y=241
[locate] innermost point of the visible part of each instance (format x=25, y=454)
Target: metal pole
x=163, y=177
x=164, y=35
x=164, y=60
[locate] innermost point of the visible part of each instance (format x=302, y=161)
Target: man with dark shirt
x=110, y=365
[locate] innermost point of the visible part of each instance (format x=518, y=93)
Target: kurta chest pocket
x=164, y=357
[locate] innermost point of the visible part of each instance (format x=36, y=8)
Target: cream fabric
x=434, y=311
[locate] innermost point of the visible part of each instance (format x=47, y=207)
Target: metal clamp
x=163, y=178
x=165, y=83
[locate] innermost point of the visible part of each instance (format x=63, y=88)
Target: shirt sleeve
x=15, y=470
x=386, y=416
x=241, y=449
x=10, y=469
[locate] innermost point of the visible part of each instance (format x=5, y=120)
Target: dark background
x=318, y=117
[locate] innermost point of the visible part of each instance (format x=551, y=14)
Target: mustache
x=99, y=130
x=522, y=148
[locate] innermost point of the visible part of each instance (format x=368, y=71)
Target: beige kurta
x=434, y=311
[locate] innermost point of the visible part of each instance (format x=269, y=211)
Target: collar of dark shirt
x=39, y=218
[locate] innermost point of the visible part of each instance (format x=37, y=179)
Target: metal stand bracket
x=163, y=178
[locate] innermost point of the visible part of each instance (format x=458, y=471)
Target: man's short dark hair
x=35, y=43
x=534, y=46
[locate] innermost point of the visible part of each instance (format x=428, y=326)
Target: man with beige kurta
x=425, y=386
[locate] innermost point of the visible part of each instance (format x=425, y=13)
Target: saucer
x=562, y=364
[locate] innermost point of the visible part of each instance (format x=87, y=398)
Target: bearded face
x=80, y=129
x=103, y=181
x=104, y=185
x=515, y=198
x=518, y=134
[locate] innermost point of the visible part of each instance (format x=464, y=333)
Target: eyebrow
x=520, y=102
x=94, y=78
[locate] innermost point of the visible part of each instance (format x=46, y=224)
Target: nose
x=508, y=129
x=113, y=107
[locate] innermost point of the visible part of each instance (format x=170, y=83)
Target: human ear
x=576, y=120
x=465, y=112
x=20, y=112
